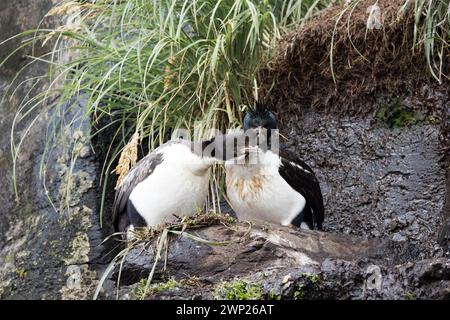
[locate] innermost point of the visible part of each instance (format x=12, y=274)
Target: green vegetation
x=431, y=32
x=237, y=290
x=22, y=273
x=299, y=292
x=273, y=296
x=142, y=290
x=398, y=115
x=300, y=289
x=146, y=66
x=9, y=258
x=409, y=296
x=312, y=277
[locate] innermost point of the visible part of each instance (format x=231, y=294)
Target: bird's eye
x=272, y=117
x=273, y=121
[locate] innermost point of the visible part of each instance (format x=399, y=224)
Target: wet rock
x=287, y=264
x=48, y=250
x=377, y=181
x=397, y=237
x=267, y=249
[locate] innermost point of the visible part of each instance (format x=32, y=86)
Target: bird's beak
x=244, y=154
x=261, y=135
x=237, y=160
x=248, y=150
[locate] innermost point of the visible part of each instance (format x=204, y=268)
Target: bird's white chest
x=168, y=191
x=262, y=195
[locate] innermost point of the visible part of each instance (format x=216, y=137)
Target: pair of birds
x=174, y=180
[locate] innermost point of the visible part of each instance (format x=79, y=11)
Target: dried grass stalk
x=127, y=159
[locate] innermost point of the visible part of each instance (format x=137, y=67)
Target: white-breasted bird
x=277, y=187
x=172, y=180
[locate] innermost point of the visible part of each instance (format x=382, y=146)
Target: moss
x=81, y=282
x=398, y=115
x=300, y=289
x=299, y=292
x=22, y=273
x=409, y=296
x=238, y=290
x=73, y=186
x=79, y=250
x=312, y=277
x=155, y=288
x=273, y=296
x=9, y=258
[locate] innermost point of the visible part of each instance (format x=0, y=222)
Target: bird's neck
x=262, y=163
x=182, y=156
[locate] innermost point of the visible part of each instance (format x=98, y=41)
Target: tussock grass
x=431, y=30
x=432, y=33
x=357, y=48
x=146, y=66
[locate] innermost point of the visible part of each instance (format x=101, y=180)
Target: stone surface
x=284, y=264
x=47, y=250
x=378, y=181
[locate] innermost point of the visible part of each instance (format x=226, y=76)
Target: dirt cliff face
x=337, y=62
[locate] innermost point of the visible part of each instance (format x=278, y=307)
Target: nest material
x=197, y=221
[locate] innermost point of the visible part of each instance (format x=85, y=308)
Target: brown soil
x=364, y=61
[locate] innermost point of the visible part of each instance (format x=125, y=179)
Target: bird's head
x=260, y=117
x=263, y=122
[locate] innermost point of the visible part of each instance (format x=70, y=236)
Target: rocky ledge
x=273, y=262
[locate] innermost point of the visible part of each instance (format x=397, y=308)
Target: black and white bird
x=277, y=188
x=172, y=180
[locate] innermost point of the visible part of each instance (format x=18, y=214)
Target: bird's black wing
x=302, y=179
x=138, y=173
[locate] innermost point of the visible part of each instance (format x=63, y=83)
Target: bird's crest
x=259, y=110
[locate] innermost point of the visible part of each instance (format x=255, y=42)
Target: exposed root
x=343, y=57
